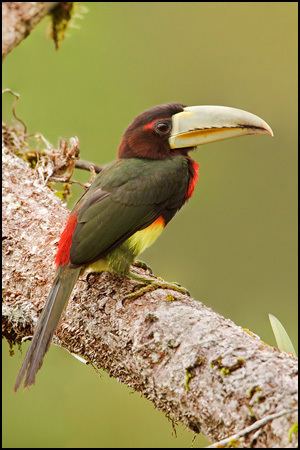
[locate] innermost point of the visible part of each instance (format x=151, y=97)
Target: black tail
x=58, y=297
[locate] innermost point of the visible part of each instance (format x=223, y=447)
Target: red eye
x=162, y=128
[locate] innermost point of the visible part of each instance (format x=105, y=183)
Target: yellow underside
x=137, y=243
x=141, y=240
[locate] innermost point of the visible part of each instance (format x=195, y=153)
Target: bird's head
x=165, y=130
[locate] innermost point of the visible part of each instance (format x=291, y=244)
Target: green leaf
x=293, y=430
x=282, y=338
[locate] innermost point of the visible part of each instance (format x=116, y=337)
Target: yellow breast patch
x=142, y=239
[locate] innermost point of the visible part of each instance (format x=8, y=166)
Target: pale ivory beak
x=197, y=125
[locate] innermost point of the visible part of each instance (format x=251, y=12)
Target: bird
x=130, y=202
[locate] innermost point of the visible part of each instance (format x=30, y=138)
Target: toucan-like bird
x=131, y=201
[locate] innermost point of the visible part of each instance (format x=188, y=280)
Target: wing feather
x=126, y=197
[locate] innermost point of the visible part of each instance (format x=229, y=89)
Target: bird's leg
x=151, y=285
x=142, y=265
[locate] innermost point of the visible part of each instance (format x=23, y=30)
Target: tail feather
x=58, y=297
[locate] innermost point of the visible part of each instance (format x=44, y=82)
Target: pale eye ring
x=162, y=128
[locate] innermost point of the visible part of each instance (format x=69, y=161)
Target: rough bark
x=198, y=367
x=18, y=19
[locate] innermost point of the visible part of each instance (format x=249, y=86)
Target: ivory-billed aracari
x=131, y=201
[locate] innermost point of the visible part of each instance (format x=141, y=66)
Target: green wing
x=127, y=196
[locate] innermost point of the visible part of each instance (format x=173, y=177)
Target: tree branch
x=87, y=165
x=233, y=439
x=198, y=367
x=18, y=19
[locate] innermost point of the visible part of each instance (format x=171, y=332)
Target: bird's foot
x=142, y=265
x=151, y=285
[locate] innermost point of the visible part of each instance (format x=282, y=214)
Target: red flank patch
x=193, y=180
x=62, y=257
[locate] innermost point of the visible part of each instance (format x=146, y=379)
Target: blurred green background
x=233, y=246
